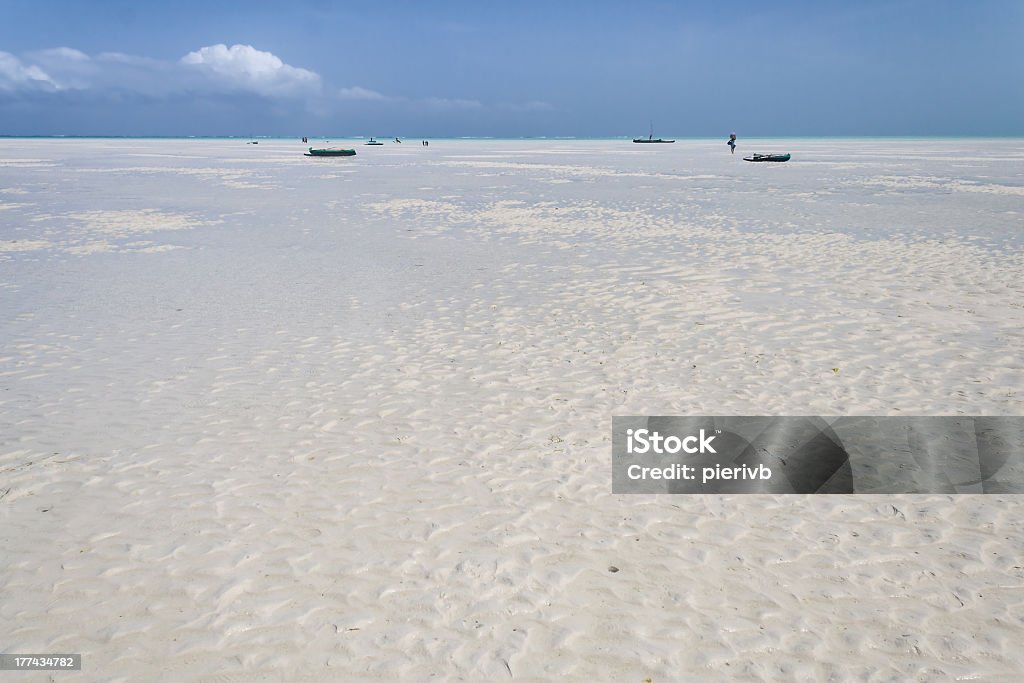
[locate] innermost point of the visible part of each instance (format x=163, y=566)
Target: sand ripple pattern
x=359, y=429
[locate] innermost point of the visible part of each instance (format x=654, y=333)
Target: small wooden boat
x=330, y=152
x=650, y=139
x=767, y=157
x=374, y=142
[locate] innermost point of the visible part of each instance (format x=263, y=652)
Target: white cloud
x=212, y=69
x=16, y=75
x=69, y=68
x=246, y=68
x=69, y=54
x=358, y=93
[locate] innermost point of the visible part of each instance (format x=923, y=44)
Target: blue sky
x=431, y=69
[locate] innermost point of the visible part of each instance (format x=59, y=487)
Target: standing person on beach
x=732, y=143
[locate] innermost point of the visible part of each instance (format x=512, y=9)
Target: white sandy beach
x=266, y=417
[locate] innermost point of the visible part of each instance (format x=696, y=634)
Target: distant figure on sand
x=732, y=143
x=398, y=141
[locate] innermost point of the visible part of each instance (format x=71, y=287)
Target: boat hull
x=768, y=157
x=330, y=152
x=652, y=142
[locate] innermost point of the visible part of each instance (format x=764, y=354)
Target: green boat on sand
x=650, y=139
x=326, y=152
x=767, y=157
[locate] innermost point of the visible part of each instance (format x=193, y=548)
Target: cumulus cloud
x=16, y=75
x=69, y=68
x=246, y=68
x=215, y=69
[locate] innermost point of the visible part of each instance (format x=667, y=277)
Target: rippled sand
x=266, y=417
